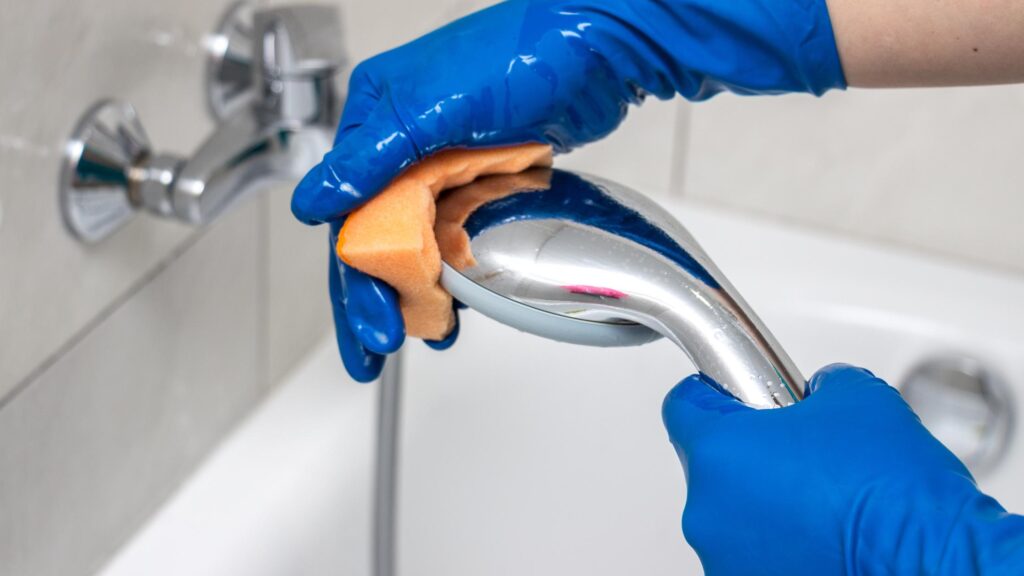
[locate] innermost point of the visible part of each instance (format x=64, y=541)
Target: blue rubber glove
x=846, y=482
x=555, y=71
x=367, y=322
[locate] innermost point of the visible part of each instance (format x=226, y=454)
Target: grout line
x=681, y=139
x=105, y=313
x=263, y=290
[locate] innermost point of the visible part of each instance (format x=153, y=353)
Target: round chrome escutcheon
x=966, y=405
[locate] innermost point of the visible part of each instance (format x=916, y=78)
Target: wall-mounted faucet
x=273, y=83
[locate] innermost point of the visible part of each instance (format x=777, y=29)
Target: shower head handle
x=589, y=261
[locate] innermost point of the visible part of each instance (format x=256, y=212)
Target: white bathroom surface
x=288, y=493
x=525, y=456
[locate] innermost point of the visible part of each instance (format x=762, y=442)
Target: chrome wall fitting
x=966, y=404
x=99, y=159
x=273, y=83
x=229, y=63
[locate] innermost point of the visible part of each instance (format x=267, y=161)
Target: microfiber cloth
x=392, y=237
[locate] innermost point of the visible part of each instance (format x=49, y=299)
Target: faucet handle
x=229, y=54
x=97, y=173
x=252, y=49
x=272, y=83
x=110, y=172
x=299, y=40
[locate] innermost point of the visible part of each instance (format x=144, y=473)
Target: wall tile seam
x=101, y=316
x=263, y=273
x=682, y=139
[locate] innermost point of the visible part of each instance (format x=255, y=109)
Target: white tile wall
x=374, y=27
x=939, y=169
x=641, y=154
x=59, y=57
x=65, y=57
x=298, y=310
x=110, y=429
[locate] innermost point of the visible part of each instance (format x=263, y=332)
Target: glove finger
x=448, y=340
x=373, y=312
x=356, y=169
x=371, y=305
x=840, y=376
x=361, y=99
x=360, y=363
x=692, y=405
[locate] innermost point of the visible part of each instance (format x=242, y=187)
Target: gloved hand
x=846, y=482
x=367, y=321
x=556, y=71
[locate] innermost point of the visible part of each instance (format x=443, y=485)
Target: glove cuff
x=985, y=540
x=816, y=53
x=945, y=527
x=698, y=48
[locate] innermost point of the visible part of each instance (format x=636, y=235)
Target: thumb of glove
x=691, y=407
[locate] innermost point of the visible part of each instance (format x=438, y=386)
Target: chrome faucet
x=274, y=85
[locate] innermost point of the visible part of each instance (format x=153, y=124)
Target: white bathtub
x=524, y=456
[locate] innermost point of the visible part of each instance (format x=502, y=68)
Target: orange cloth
x=392, y=237
x=457, y=205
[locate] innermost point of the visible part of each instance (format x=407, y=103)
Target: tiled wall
x=60, y=57
x=117, y=420
x=121, y=364
x=938, y=170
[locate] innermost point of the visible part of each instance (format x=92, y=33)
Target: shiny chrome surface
x=617, y=262
x=273, y=84
x=966, y=405
x=229, y=61
x=242, y=155
x=95, y=174
x=385, y=498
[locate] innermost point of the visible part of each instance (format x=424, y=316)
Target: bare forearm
x=897, y=43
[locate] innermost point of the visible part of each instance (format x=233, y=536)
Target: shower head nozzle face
x=584, y=260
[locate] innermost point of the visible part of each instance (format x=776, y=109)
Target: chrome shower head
x=580, y=259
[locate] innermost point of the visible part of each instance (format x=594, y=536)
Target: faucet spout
x=243, y=155
x=274, y=86
x=286, y=129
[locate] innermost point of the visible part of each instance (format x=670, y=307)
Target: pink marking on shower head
x=595, y=291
